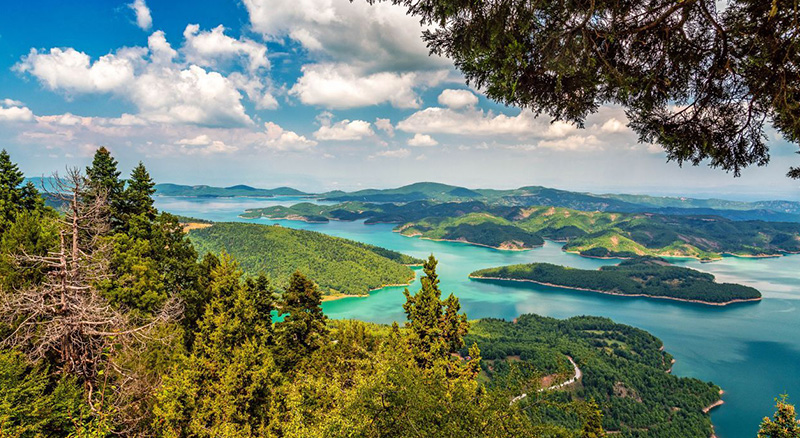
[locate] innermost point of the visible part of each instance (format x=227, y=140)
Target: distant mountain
x=773, y=211
x=204, y=191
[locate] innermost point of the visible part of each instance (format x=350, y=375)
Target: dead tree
x=66, y=319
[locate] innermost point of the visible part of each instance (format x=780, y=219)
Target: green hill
x=593, y=234
x=644, y=276
x=624, y=369
x=339, y=266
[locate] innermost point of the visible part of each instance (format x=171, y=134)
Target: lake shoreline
x=709, y=303
x=420, y=236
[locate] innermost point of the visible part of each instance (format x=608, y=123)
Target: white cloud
x=342, y=86
x=281, y=139
x=457, y=98
x=572, y=143
x=385, y=125
x=393, y=153
x=209, y=48
x=73, y=72
x=421, y=140
x=613, y=125
x=203, y=145
x=344, y=130
x=14, y=111
x=143, y=18
x=375, y=37
x=10, y=102
x=163, y=91
x=259, y=91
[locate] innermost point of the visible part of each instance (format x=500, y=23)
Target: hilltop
x=204, y=191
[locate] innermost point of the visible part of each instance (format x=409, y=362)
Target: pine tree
x=303, y=331
x=138, y=196
x=783, y=424
x=436, y=327
x=104, y=181
x=10, y=193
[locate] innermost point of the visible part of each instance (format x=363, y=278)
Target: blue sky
x=316, y=94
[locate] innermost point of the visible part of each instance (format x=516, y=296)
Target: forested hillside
x=637, y=277
x=623, y=368
x=596, y=234
x=339, y=266
x=204, y=191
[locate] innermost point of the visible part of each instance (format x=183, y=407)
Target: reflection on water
x=752, y=350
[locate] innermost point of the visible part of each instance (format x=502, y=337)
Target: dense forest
x=339, y=266
x=111, y=325
x=625, y=369
x=597, y=234
x=644, y=276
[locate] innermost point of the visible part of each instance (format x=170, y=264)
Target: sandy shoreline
x=619, y=294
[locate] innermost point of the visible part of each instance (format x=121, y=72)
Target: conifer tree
x=14, y=197
x=783, y=423
x=303, y=331
x=138, y=196
x=436, y=327
x=104, y=181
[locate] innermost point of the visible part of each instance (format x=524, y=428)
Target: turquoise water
x=752, y=350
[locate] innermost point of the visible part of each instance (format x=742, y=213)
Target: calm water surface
x=752, y=350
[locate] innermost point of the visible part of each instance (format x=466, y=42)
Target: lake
x=751, y=350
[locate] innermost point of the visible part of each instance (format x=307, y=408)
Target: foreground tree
x=15, y=198
x=436, y=329
x=64, y=318
x=783, y=424
x=303, y=329
x=699, y=81
x=104, y=182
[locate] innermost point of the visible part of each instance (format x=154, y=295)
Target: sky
x=313, y=94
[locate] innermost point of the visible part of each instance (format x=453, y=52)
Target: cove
x=752, y=350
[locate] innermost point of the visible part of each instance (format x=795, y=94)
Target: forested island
x=340, y=266
x=639, y=277
x=588, y=233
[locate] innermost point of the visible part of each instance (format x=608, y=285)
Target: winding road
x=577, y=376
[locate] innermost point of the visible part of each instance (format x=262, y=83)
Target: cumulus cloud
x=143, y=18
x=14, y=111
x=163, y=91
x=393, y=153
x=457, y=98
x=378, y=37
x=281, y=139
x=361, y=54
x=477, y=122
x=343, y=86
x=343, y=130
x=203, y=145
x=613, y=125
x=421, y=140
x=385, y=125
x=209, y=48
x=572, y=143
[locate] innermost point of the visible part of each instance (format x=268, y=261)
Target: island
x=639, y=277
x=341, y=267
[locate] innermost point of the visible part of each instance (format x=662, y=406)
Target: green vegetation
x=624, y=369
x=339, y=266
x=111, y=326
x=596, y=234
x=783, y=424
x=640, y=277
x=203, y=191
x=786, y=211
x=476, y=228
